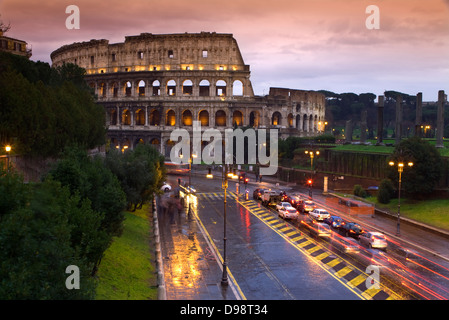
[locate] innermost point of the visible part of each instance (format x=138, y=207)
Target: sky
x=297, y=44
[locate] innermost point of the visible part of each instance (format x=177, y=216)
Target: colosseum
x=151, y=84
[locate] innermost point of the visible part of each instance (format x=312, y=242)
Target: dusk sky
x=298, y=44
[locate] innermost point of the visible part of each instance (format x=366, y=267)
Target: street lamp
x=8, y=150
x=312, y=155
x=224, y=185
x=401, y=166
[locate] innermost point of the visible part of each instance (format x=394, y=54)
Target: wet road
x=269, y=258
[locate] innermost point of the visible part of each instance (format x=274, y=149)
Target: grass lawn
x=434, y=212
x=126, y=271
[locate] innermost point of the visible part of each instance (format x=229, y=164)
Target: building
x=14, y=46
x=151, y=84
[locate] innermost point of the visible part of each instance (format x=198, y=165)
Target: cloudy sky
x=299, y=44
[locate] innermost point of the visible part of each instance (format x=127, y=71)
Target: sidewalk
x=191, y=269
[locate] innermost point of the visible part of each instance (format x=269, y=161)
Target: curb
x=162, y=294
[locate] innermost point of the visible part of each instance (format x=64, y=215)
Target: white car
x=320, y=214
x=374, y=240
x=282, y=205
x=286, y=210
x=166, y=187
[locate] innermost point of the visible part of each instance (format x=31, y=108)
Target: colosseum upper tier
x=151, y=84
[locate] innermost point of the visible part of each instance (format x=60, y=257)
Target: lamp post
x=400, y=170
x=8, y=150
x=224, y=185
x=312, y=155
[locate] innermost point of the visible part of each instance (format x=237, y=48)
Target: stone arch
x=220, y=118
x=170, y=118
x=102, y=90
x=305, y=123
x=140, y=117
x=237, y=88
x=154, y=117
x=298, y=121
x=203, y=117
x=187, y=87
x=141, y=88
x=114, y=89
x=220, y=88
x=276, y=118
x=310, y=123
x=204, y=88
x=187, y=118
x=254, y=119
x=156, y=88
x=290, y=120
x=128, y=87
x=113, y=117
x=126, y=117
x=171, y=87
x=237, y=118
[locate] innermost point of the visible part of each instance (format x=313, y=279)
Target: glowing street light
x=400, y=166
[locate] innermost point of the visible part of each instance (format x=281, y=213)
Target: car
x=166, y=187
x=345, y=244
x=374, y=240
x=295, y=200
x=334, y=221
x=321, y=230
x=270, y=197
x=319, y=214
x=288, y=212
x=316, y=228
x=283, y=205
x=352, y=229
x=257, y=194
x=308, y=206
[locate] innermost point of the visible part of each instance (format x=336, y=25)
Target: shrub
x=359, y=191
x=385, y=192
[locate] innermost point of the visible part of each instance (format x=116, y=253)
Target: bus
x=177, y=168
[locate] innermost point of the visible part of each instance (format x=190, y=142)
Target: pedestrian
x=260, y=178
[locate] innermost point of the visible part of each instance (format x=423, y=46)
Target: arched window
x=140, y=117
x=204, y=88
x=113, y=117
x=128, y=89
x=156, y=88
x=237, y=118
x=276, y=119
x=220, y=88
x=126, y=117
x=155, y=118
x=187, y=118
x=237, y=88
x=170, y=119
x=171, y=88
x=203, y=117
x=290, y=120
x=187, y=87
x=142, y=88
x=254, y=119
x=220, y=118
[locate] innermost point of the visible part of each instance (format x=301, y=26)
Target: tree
x=140, y=171
x=37, y=244
x=99, y=190
x=426, y=172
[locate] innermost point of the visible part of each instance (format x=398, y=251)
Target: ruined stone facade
x=151, y=84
